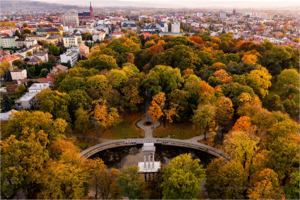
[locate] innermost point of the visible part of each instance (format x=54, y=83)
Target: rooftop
x=28, y=96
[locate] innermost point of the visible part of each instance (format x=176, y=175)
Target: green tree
x=52, y=59
x=130, y=180
x=44, y=73
x=163, y=79
x=54, y=50
x=225, y=180
x=117, y=78
x=286, y=77
x=74, y=83
x=18, y=63
x=6, y=103
x=82, y=121
x=204, y=117
x=183, y=178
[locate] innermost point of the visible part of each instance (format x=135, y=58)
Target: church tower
x=91, y=10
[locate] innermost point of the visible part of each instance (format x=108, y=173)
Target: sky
x=184, y=3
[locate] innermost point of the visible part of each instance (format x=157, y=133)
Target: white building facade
x=70, y=19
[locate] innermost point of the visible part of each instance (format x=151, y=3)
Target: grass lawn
x=180, y=130
x=274, y=90
x=125, y=129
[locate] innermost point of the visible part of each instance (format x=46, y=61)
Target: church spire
x=90, y=4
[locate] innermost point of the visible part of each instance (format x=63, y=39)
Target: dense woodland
x=249, y=90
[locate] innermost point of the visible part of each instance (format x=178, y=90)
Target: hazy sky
x=183, y=3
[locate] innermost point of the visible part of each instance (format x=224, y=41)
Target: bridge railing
x=202, y=147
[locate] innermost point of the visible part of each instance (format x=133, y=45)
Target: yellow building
x=55, y=39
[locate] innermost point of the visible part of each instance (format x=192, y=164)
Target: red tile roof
x=10, y=58
x=146, y=34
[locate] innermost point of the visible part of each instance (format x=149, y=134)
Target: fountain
x=148, y=150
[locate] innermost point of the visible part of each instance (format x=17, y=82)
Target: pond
x=120, y=157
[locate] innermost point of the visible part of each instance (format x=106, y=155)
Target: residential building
x=49, y=79
x=7, y=42
x=162, y=26
x=42, y=55
x=79, y=39
x=37, y=87
x=70, y=41
x=223, y=15
x=17, y=74
x=10, y=58
x=84, y=50
x=26, y=101
x=71, y=55
x=117, y=35
x=199, y=14
x=42, y=38
x=5, y=116
x=55, y=39
x=175, y=27
x=11, y=88
x=33, y=60
x=29, y=43
x=128, y=26
x=99, y=36
x=58, y=68
x=70, y=19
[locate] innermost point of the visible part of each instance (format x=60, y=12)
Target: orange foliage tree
x=130, y=58
x=188, y=72
x=218, y=65
x=251, y=57
x=103, y=116
x=196, y=39
x=242, y=124
x=206, y=93
x=223, y=76
x=160, y=110
x=156, y=49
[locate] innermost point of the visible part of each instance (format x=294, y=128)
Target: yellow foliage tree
x=160, y=110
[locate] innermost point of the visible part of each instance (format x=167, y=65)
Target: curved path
x=192, y=142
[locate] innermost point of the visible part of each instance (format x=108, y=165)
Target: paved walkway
x=148, y=136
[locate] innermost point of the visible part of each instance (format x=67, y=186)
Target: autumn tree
x=242, y=124
x=55, y=103
x=183, y=178
x=241, y=146
x=223, y=76
x=36, y=120
x=156, y=49
x=225, y=180
x=206, y=93
x=105, y=116
x=204, y=117
x=5, y=66
x=265, y=185
x=102, y=180
x=130, y=180
x=28, y=154
x=162, y=110
x=62, y=180
x=196, y=39
x=131, y=94
x=130, y=58
x=224, y=111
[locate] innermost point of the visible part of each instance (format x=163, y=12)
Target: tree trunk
x=129, y=111
x=164, y=122
x=96, y=189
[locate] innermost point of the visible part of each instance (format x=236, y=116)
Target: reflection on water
x=120, y=157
